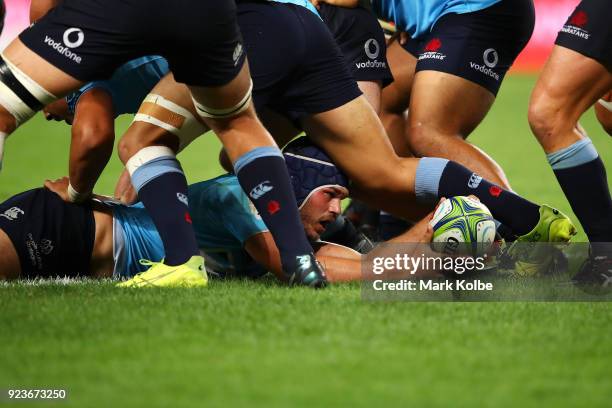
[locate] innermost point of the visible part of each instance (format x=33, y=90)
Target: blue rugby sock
x=262, y=173
x=162, y=188
x=582, y=176
x=437, y=178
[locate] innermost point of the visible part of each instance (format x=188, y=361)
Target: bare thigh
x=569, y=84
x=355, y=139
x=10, y=267
x=447, y=103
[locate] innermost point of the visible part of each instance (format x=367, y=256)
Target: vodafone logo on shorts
x=372, y=48
x=490, y=58
x=575, y=25
x=72, y=38
x=430, y=51
x=237, y=53
x=372, y=51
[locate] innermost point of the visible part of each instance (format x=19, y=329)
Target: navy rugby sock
x=437, y=178
x=164, y=194
x=263, y=175
x=582, y=176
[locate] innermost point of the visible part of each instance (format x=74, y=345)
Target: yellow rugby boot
x=190, y=274
x=530, y=252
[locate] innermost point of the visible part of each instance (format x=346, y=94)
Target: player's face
x=322, y=207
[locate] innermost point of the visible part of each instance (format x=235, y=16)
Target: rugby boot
x=189, y=274
x=595, y=274
x=530, y=253
x=306, y=271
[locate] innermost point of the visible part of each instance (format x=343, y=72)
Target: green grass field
x=258, y=343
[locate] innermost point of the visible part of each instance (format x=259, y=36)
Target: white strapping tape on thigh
x=161, y=112
x=606, y=104
x=145, y=155
x=13, y=103
x=207, y=112
x=3, y=137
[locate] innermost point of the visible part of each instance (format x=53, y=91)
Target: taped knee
x=163, y=113
x=208, y=112
x=606, y=104
x=151, y=162
x=20, y=95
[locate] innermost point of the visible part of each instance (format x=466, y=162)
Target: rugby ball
x=463, y=225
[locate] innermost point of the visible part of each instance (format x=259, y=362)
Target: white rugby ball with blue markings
x=463, y=225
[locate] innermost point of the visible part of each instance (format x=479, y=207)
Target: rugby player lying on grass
x=43, y=236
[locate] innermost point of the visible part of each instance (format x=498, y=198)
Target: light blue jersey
x=417, y=17
x=129, y=84
x=303, y=3
x=223, y=219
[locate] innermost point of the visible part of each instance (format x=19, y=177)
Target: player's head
x=319, y=185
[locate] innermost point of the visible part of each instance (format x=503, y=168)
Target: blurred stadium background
x=244, y=343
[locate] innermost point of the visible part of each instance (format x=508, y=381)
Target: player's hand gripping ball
x=462, y=225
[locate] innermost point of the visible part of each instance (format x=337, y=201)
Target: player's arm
x=93, y=136
x=124, y=190
x=262, y=248
x=341, y=264
x=39, y=8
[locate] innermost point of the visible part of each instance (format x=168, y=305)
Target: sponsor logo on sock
x=495, y=191
x=474, y=181
x=273, y=207
x=260, y=190
x=576, y=24
x=431, y=50
x=304, y=262
x=182, y=198
x=12, y=213
x=188, y=218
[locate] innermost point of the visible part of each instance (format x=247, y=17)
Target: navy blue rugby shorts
x=89, y=39
x=296, y=65
x=52, y=238
x=480, y=46
x=361, y=40
x=588, y=30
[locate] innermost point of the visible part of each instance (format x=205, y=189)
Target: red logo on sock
x=273, y=207
x=188, y=218
x=495, y=191
x=579, y=19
